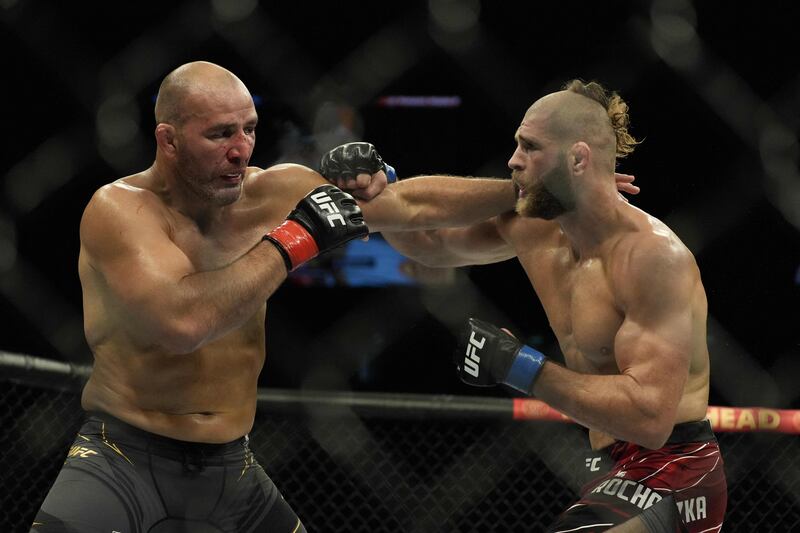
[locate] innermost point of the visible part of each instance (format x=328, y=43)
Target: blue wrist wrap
x=391, y=175
x=524, y=369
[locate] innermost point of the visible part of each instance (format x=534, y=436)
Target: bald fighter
x=624, y=297
x=176, y=265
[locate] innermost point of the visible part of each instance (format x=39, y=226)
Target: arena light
x=419, y=101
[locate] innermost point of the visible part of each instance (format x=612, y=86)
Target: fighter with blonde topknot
x=625, y=300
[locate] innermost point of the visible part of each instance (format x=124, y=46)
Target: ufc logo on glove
x=472, y=359
x=494, y=356
x=311, y=227
x=326, y=204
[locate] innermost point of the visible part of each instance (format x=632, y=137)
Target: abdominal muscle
x=206, y=396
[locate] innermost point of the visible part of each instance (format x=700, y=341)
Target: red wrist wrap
x=297, y=242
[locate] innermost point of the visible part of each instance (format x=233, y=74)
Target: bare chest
x=217, y=248
x=580, y=306
x=213, y=252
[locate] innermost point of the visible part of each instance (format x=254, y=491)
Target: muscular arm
x=156, y=292
x=430, y=202
x=479, y=244
x=407, y=211
x=471, y=220
x=652, y=350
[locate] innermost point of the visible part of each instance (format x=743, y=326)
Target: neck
x=594, y=219
x=177, y=196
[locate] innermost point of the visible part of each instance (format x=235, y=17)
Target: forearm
x=614, y=404
x=207, y=305
x=424, y=247
x=452, y=247
x=430, y=202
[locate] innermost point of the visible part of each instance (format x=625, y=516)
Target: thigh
x=101, y=487
x=592, y=517
x=275, y=514
x=252, y=503
x=279, y=518
x=692, y=474
x=84, y=498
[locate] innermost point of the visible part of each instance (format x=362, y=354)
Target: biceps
x=143, y=274
x=656, y=356
x=477, y=244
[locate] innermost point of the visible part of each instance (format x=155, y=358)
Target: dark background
x=713, y=89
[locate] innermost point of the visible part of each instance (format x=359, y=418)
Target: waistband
x=684, y=433
x=114, y=430
x=697, y=431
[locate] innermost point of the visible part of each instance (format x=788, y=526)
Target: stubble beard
x=538, y=201
x=204, y=188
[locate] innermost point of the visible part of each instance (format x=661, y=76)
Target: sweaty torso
x=581, y=303
x=208, y=395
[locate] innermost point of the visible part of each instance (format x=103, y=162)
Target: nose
x=515, y=163
x=241, y=147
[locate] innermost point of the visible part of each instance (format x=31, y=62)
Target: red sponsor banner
x=743, y=419
x=525, y=409
x=723, y=419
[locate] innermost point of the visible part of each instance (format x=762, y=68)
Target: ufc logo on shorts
x=326, y=204
x=472, y=359
x=591, y=463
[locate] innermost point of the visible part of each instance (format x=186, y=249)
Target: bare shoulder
x=120, y=209
x=120, y=197
x=285, y=179
x=656, y=245
x=652, y=258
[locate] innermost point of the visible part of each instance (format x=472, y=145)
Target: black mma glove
x=349, y=160
x=488, y=355
x=326, y=218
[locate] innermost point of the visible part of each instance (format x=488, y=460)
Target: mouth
x=233, y=178
x=519, y=188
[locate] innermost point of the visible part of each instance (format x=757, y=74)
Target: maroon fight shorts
x=688, y=467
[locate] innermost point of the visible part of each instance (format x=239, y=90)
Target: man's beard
x=538, y=201
x=204, y=188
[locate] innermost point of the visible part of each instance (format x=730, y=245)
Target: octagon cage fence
x=375, y=462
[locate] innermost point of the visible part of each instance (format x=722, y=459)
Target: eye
x=219, y=134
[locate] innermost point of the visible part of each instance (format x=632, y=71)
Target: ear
x=165, y=138
x=579, y=155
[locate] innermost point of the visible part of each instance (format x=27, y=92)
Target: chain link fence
x=344, y=467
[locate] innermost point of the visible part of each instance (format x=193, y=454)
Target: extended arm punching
x=420, y=203
x=457, y=219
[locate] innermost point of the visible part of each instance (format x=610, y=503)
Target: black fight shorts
x=120, y=479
